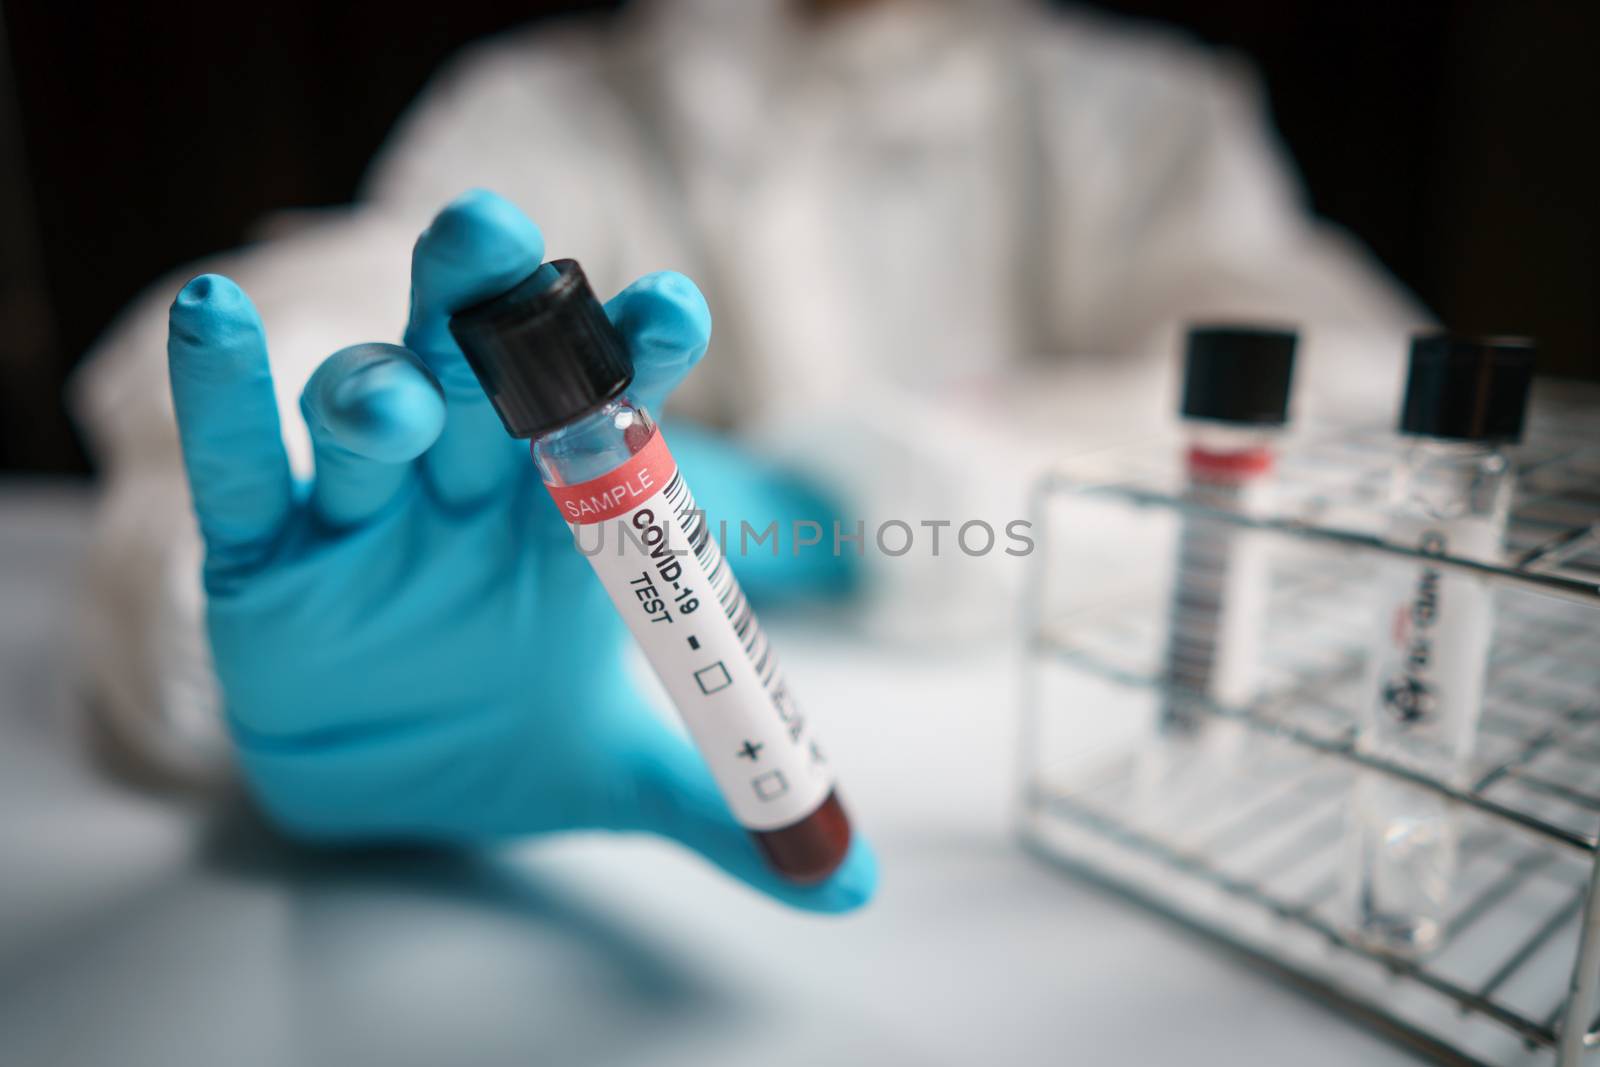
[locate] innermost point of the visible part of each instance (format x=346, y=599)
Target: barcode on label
x=725, y=589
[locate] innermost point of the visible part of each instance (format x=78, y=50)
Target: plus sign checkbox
x=713, y=678
x=770, y=786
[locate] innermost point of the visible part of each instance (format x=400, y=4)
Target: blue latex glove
x=414, y=649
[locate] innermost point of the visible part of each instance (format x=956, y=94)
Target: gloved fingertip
x=681, y=293
x=378, y=401
x=478, y=245
x=209, y=303
x=664, y=311
x=851, y=886
x=213, y=332
x=478, y=200
x=199, y=289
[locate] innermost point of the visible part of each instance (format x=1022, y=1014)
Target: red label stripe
x=1205, y=463
x=621, y=490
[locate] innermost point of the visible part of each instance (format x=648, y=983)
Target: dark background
x=1456, y=139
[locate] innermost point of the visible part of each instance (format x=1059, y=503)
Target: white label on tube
x=667, y=576
x=1220, y=586
x=1430, y=667
x=1244, y=608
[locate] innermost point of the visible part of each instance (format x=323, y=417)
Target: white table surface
x=138, y=929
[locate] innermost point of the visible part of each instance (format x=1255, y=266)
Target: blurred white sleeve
x=1168, y=199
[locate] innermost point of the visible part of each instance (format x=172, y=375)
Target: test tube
x=558, y=371
x=1451, y=493
x=1236, y=387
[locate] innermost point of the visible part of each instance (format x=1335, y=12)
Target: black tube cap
x=1468, y=388
x=544, y=350
x=1239, y=374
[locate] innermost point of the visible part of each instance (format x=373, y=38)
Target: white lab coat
x=943, y=241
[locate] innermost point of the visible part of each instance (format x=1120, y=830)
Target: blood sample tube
x=1235, y=404
x=558, y=371
x=1465, y=401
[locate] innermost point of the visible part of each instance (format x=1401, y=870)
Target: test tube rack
x=1253, y=864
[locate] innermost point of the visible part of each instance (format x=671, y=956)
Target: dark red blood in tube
x=811, y=849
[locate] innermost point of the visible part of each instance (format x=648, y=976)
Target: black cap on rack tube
x=544, y=350
x=1467, y=388
x=1239, y=374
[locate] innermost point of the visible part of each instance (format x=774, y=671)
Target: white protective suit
x=941, y=241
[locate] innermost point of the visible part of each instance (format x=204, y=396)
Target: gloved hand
x=413, y=649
